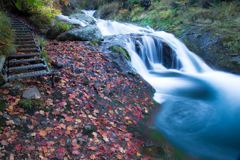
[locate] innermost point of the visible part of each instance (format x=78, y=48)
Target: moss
x=121, y=50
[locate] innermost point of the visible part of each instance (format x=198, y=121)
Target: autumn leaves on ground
x=94, y=111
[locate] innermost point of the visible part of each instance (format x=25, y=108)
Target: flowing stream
x=201, y=106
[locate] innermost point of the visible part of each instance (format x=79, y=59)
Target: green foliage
x=6, y=45
x=121, y=50
x=94, y=42
x=65, y=26
x=31, y=103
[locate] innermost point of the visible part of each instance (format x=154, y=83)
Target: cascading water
x=201, y=113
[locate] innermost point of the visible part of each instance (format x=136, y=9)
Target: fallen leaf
x=43, y=133
x=19, y=147
x=36, y=96
x=69, y=119
x=42, y=112
x=4, y=143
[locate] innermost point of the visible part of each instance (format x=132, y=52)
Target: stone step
x=20, y=27
x=27, y=67
x=23, y=31
x=29, y=74
x=27, y=46
x=19, y=39
x=29, y=50
x=23, y=42
x=18, y=56
x=26, y=60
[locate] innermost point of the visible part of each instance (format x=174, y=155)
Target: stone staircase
x=27, y=62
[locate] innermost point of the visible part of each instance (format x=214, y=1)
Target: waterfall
x=201, y=107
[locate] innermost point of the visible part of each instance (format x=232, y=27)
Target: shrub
x=6, y=34
x=107, y=10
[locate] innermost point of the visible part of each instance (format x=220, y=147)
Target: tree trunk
x=2, y=4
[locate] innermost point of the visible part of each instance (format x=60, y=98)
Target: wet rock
x=3, y=79
x=85, y=34
x=83, y=17
x=14, y=91
x=30, y=93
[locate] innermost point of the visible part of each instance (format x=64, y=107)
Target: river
x=201, y=106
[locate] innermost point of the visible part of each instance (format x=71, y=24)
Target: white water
x=201, y=113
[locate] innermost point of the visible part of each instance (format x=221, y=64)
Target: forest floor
x=94, y=112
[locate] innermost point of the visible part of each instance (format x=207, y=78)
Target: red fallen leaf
x=31, y=147
x=69, y=119
x=75, y=152
x=61, y=155
x=19, y=147
x=61, y=150
x=52, y=157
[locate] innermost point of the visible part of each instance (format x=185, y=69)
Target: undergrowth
x=6, y=34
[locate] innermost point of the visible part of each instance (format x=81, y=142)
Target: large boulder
x=55, y=31
x=85, y=34
x=83, y=17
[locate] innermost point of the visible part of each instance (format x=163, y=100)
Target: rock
x=145, y=3
x=68, y=141
x=55, y=31
x=81, y=139
x=85, y=34
x=6, y=85
x=106, y=91
x=57, y=65
x=88, y=130
x=3, y=79
x=83, y=17
x=17, y=121
x=44, y=123
x=30, y=93
x=5, y=115
x=14, y=91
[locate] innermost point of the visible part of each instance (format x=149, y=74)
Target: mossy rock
x=121, y=50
